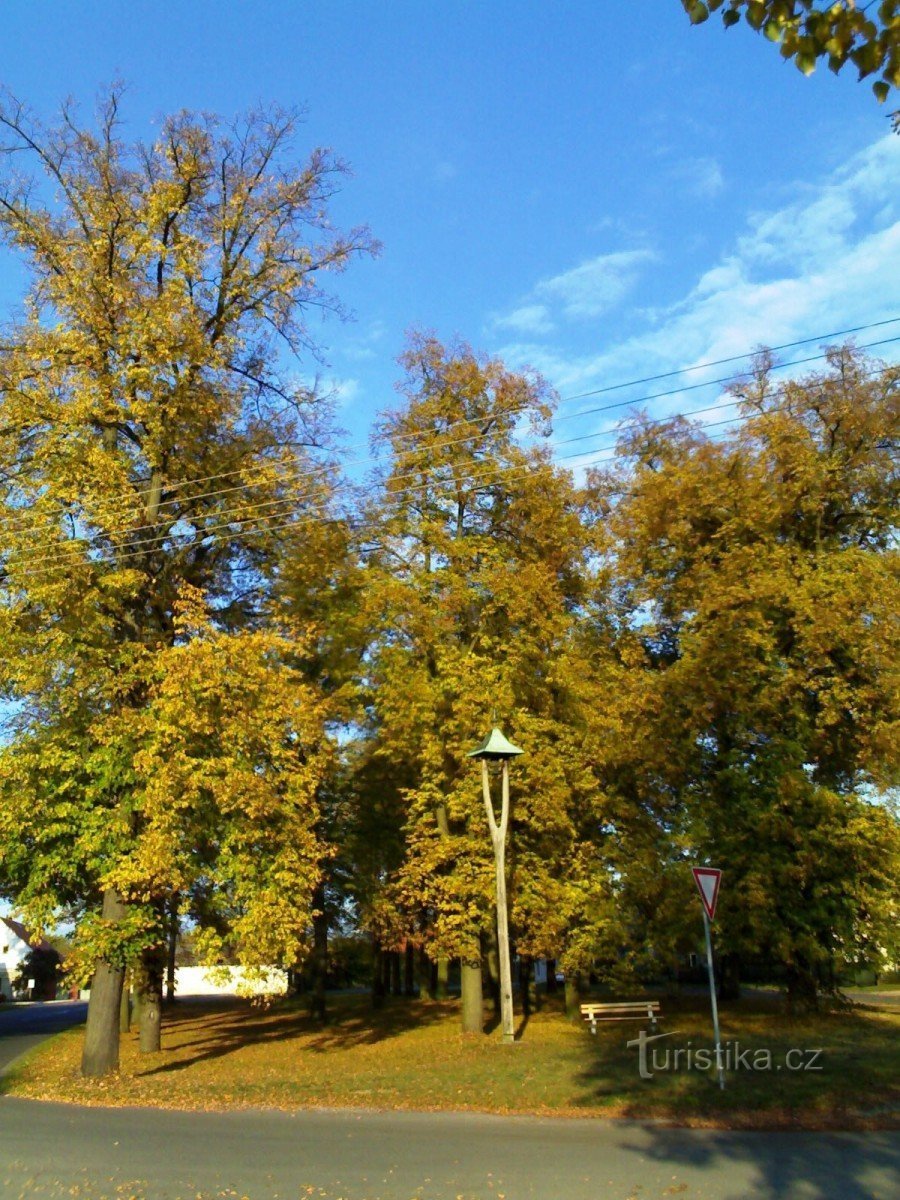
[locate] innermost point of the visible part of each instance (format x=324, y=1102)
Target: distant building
x=16, y=944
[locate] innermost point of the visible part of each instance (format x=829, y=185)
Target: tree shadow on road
x=851, y=1166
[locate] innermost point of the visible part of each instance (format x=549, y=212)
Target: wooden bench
x=626, y=1010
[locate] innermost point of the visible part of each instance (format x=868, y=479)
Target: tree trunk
x=492, y=958
x=386, y=956
x=170, y=951
x=396, y=985
x=125, y=1008
x=424, y=971
x=552, y=985
x=526, y=985
x=443, y=978
x=573, y=985
x=377, y=975
x=100, y=1055
x=472, y=999
x=409, y=970
x=729, y=977
x=149, y=987
x=802, y=987
x=319, y=963
x=426, y=986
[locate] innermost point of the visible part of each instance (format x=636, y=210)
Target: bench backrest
x=625, y=1006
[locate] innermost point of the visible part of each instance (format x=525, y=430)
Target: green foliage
x=471, y=604
x=864, y=35
x=152, y=446
x=42, y=968
x=761, y=574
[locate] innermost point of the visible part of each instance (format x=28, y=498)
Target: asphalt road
x=24, y=1025
x=53, y=1150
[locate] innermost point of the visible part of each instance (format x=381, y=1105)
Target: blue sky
x=598, y=190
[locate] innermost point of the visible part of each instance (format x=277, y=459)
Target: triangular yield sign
x=707, y=880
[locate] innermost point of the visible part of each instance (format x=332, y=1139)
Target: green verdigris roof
x=495, y=745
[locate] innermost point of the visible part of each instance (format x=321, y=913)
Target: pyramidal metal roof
x=495, y=745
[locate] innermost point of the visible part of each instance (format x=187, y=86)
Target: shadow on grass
x=206, y=1034
x=829, y=1071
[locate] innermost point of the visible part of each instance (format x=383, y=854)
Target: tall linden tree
x=155, y=453
x=481, y=572
x=761, y=574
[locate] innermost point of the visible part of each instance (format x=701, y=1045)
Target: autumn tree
x=155, y=446
x=471, y=596
x=760, y=572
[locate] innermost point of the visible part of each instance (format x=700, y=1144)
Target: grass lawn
x=411, y=1055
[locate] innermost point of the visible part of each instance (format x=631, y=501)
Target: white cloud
x=529, y=319
x=362, y=344
x=700, y=177
x=344, y=391
x=827, y=260
x=594, y=287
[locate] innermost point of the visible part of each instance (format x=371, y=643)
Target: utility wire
x=720, y=362
x=173, y=520
x=129, y=496
x=285, y=505
x=319, y=470
x=488, y=476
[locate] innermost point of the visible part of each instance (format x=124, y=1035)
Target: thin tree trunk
x=171, y=949
x=318, y=1006
x=386, y=957
x=526, y=985
x=552, y=985
x=729, y=977
x=472, y=998
x=125, y=1007
x=426, y=986
x=100, y=1055
x=573, y=994
x=802, y=987
x=442, y=979
x=377, y=975
x=409, y=970
x=396, y=985
x=442, y=975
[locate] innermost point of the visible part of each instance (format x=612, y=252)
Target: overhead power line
x=282, y=509
x=286, y=520
x=721, y=362
x=295, y=497
x=323, y=469
x=637, y=382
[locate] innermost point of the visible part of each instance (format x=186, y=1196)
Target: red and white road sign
x=707, y=880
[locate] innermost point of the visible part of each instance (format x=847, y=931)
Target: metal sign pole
x=712, y=1000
